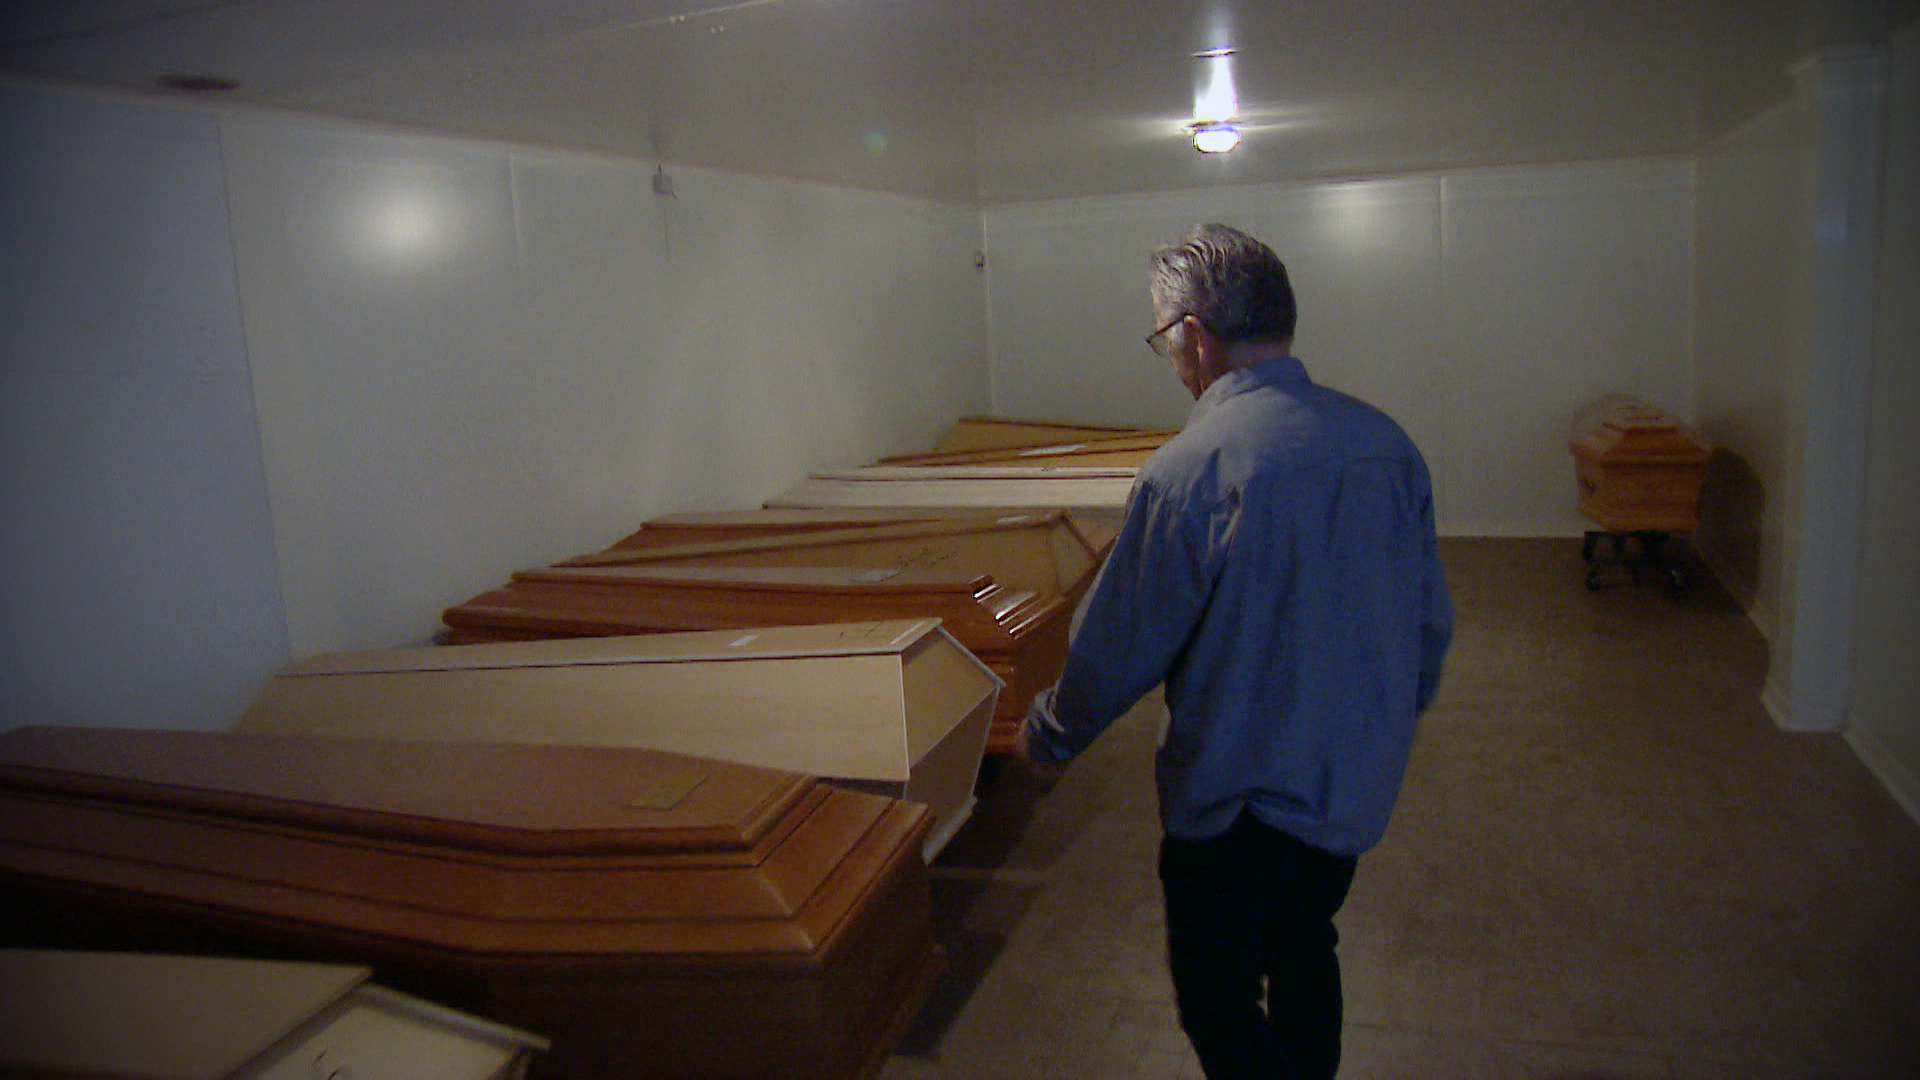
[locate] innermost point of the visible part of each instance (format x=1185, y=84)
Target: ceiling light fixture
x=1215, y=103
x=1215, y=138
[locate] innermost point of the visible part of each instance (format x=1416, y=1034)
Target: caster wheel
x=1593, y=578
x=1677, y=578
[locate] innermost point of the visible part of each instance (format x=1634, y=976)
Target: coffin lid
x=467, y=853
x=1019, y=549
x=1626, y=427
x=988, y=432
x=1127, y=448
x=885, y=638
x=776, y=578
x=881, y=473
x=518, y=799
x=137, y=1015
x=862, y=701
x=963, y=486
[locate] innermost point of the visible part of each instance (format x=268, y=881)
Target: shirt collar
x=1279, y=369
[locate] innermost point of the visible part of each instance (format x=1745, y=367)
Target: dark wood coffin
x=1004, y=587
x=654, y=915
x=1637, y=469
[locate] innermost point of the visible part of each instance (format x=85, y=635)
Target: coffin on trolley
x=895, y=708
x=1639, y=472
x=654, y=915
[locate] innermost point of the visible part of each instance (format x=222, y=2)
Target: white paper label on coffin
x=898, y=707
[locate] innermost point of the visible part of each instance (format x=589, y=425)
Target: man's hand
x=1046, y=771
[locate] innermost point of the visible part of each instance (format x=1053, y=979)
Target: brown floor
x=1606, y=863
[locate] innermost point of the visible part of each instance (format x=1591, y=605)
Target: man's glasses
x=1157, y=341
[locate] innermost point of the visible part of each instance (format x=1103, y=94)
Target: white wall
x=473, y=358
x=1885, y=719
x=1748, y=283
x=137, y=580
x=465, y=358
x=1479, y=308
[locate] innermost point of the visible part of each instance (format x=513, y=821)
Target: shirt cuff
x=1044, y=730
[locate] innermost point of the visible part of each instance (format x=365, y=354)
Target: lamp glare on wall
x=1215, y=138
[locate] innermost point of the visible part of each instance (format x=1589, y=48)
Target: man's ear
x=1207, y=347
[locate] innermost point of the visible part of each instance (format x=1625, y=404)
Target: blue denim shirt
x=1277, y=570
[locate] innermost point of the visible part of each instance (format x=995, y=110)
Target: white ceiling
x=986, y=101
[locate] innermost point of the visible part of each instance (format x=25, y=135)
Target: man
x=1277, y=571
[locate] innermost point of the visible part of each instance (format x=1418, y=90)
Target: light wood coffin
x=654, y=915
x=1638, y=469
x=896, y=708
x=145, y=1016
x=1122, y=451
x=999, y=432
x=1005, y=590
x=964, y=486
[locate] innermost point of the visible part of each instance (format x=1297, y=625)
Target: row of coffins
x=1000, y=552
x=652, y=914
x=597, y=818
x=993, y=462
x=1004, y=586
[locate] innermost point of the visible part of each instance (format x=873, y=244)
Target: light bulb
x=1215, y=138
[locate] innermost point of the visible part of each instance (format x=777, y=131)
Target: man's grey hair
x=1235, y=285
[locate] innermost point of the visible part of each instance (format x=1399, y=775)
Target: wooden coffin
x=998, y=432
x=1123, y=451
x=897, y=708
x=1004, y=587
x=144, y=1016
x=964, y=486
x=1637, y=469
x=654, y=915
x=671, y=530
x=1045, y=551
x=1020, y=634
x=696, y=528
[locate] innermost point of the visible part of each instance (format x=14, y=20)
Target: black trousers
x=1250, y=940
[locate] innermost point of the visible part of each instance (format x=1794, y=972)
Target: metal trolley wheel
x=1653, y=554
